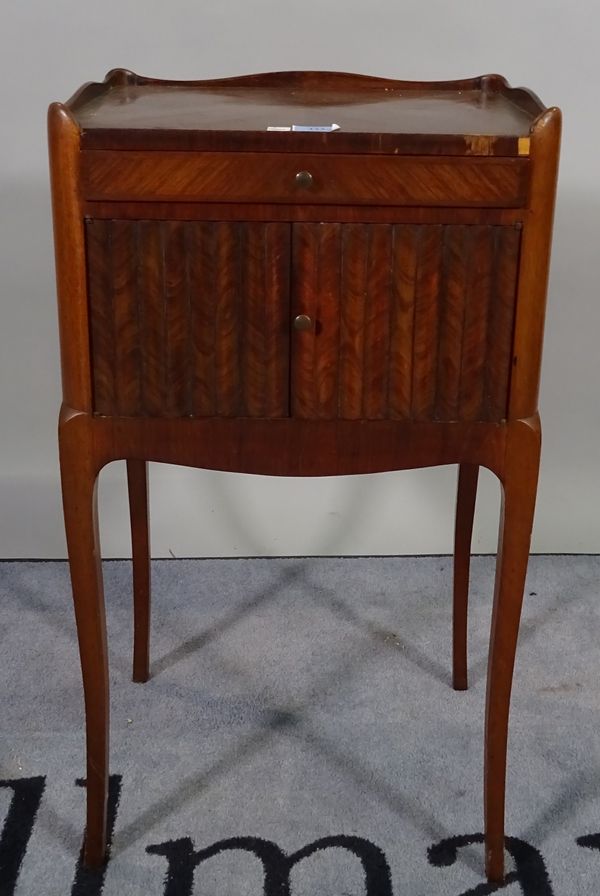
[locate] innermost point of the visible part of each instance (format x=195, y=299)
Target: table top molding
x=482, y=115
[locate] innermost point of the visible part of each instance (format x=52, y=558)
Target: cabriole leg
x=79, y=486
x=137, y=484
x=518, y=502
x=468, y=475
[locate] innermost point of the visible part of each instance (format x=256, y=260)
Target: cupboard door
x=189, y=318
x=408, y=322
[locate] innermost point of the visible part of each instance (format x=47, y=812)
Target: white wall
x=48, y=49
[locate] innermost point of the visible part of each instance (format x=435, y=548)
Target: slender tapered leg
x=468, y=475
x=516, y=521
x=79, y=479
x=137, y=484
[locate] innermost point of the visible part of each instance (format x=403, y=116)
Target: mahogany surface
x=477, y=116
x=468, y=474
x=137, y=485
x=271, y=177
x=390, y=343
x=383, y=311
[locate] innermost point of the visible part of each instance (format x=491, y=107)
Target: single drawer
x=304, y=178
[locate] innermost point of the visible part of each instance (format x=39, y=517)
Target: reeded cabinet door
x=410, y=322
x=189, y=318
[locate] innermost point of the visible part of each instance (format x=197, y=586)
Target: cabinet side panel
x=189, y=318
x=534, y=265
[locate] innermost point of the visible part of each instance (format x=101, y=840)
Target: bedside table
x=301, y=303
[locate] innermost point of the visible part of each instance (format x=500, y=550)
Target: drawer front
x=408, y=322
x=298, y=178
x=189, y=318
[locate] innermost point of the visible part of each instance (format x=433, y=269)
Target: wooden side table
x=301, y=303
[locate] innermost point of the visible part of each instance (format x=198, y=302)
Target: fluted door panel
x=409, y=322
x=189, y=318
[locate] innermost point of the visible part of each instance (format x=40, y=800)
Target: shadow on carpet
x=299, y=735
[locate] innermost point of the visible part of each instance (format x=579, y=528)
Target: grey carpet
x=294, y=701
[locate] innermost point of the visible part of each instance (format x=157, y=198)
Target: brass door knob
x=304, y=179
x=303, y=322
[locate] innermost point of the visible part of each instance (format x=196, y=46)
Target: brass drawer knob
x=304, y=179
x=303, y=322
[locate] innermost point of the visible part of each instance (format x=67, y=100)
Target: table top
x=477, y=116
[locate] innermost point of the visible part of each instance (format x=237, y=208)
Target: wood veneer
x=416, y=255
x=110, y=175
